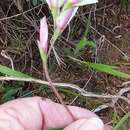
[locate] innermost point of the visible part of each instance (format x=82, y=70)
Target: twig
x=66, y=85
x=89, y=94
x=121, y=92
x=6, y=55
x=125, y=83
x=110, y=42
x=13, y=16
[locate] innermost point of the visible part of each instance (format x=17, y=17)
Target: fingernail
x=92, y=124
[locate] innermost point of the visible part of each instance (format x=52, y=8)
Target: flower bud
x=43, y=42
x=44, y=34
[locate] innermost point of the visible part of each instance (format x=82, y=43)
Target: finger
x=56, y=116
x=9, y=123
x=31, y=112
x=26, y=111
x=107, y=127
x=87, y=124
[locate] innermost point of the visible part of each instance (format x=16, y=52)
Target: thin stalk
x=52, y=41
x=55, y=90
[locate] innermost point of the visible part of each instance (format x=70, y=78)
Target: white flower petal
x=49, y=3
x=43, y=34
x=55, y=3
x=65, y=17
x=86, y=2
x=61, y=2
x=82, y=2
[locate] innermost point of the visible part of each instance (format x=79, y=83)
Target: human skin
x=37, y=114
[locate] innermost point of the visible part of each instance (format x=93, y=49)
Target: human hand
x=37, y=114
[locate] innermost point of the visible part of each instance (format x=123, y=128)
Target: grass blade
x=122, y=121
x=112, y=70
x=7, y=71
x=82, y=43
x=107, y=69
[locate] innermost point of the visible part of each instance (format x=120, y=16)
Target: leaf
x=84, y=40
x=88, y=24
x=82, y=43
x=55, y=129
x=9, y=94
x=122, y=121
x=107, y=69
x=103, y=68
x=26, y=93
x=7, y=71
x=68, y=51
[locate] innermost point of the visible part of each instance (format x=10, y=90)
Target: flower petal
x=85, y=2
x=82, y=2
x=43, y=34
x=65, y=17
x=55, y=3
x=49, y=3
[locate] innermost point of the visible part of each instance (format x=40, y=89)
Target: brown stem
x=55, y=90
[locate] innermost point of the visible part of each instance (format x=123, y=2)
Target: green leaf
x=107, y=69
x=82, y=43
x=55, y=129
x=68, y=51
x=7, y=71
x=122, y=121
x=84, y=40
x=9, y=95
x=88, y=24
x=104, y=68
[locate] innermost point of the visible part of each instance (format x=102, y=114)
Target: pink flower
x=55, y=6
x=43, y=43
x=64, y=19
x=68, y=11
x=55, y=3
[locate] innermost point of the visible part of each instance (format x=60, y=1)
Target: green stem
x=52, y=41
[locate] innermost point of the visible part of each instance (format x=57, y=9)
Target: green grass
x=10, y=72
x=120, y=123
x=111, y=70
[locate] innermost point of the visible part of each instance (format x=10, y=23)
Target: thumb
x=93, y=123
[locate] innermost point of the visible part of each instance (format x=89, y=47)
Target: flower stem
x=55, y=90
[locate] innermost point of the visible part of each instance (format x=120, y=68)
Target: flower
x=43, y=34
x=55, y=6
x=64, y=19
x=43, y=42
x=55, y=3
x=81, y=2
x=68, y=11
